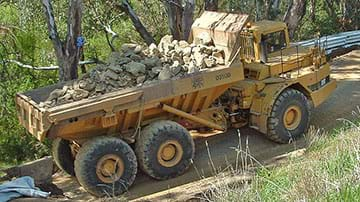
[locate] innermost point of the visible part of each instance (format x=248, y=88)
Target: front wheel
x=106, y=166
x=289, y=117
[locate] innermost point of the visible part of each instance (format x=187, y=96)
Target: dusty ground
x=341, y=104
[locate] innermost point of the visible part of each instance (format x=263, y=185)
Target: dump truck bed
x=124, y=109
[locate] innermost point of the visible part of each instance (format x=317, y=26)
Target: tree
x=294, y=15
x=312, y=10
x=137, y=22
x=67, y=51
x=180, y=17
x=101, y=19
x=268, y=8
x=345, y=13
x=211, y=5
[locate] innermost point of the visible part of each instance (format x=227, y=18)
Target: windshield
x=274, y=41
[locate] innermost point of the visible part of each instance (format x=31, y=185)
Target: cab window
x=274, y=41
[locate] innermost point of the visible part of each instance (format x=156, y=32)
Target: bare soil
x=342, y=104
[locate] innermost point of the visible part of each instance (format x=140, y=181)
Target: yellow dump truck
x=265, y=84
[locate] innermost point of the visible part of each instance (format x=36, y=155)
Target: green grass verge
x=328, y=171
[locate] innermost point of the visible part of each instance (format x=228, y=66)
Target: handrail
x=334, y=42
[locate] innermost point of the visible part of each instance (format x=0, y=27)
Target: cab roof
x=266, y=26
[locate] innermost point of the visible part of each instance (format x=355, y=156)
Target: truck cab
x=274, y=70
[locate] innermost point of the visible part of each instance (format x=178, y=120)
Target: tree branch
x=51, y=67
x=20, y=64
x=52, y=28
x=4, y=30
x=74, y=23
x=125, y=6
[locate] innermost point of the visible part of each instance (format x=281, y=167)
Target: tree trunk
x=174, y=11
x=211, y=5
x=313, y=10
x=67, y=52
x=275, y=8
x=137, y=22
x=188, y=15
x=268, y=8
x=180, y=18
x=294, y=15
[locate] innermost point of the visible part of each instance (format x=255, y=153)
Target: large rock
x=135, y=57
x=111, y=75
x=199, y=59
x=176, y=57
x=219, y=56
x=192, y=68
x=157, y=69
x=138, y=49
x=124, y=80
x=187, y=59
x=165, y=74
x=136, y=65
x=154, y=51
x=123, y=60
x=100, y=88
x=128, y=47
x=183, y=44
x=56, y=94
x=140, y=79
x=187, y=51
x=135, y=68
x=165, y=42
x=79, y=94
x=40, y=170
x=115, y=68
x=87, y=84
x=67, y=98
x=151, y=62
x=175, y=68
x=114, y=58
x=210, y=62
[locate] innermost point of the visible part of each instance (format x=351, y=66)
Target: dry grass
x=329, y=170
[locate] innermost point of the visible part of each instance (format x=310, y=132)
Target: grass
x=328, y=171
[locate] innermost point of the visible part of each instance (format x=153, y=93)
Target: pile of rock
x=135, y=65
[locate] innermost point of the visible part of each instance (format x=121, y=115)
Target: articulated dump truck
x=265, y=84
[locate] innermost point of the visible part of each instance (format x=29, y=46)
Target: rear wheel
x=290, y=116
x=106, y=166
x=164, y=149
x=63, y=157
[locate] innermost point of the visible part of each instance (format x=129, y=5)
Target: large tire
x=61, y=152
x=164, y=149
x=106, y=166
x=289, y=117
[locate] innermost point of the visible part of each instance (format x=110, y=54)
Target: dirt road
x=341, y=104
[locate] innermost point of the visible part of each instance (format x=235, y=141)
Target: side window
x=275, y=41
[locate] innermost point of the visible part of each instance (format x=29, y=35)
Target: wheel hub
x=292, y=117
x=170, y=153
x=110, y=168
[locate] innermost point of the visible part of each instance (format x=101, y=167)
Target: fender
x=262, y=105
